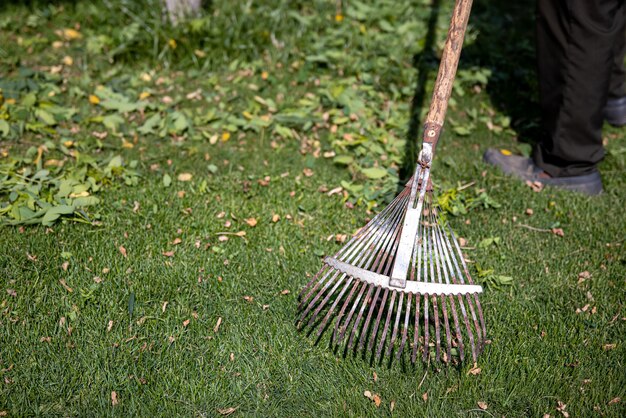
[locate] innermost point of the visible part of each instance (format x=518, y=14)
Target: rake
x=404, y=270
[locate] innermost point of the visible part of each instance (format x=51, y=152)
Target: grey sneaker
x=615, y=111
x=524, y=168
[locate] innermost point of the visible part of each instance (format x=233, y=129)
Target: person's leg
x=575, y=50
x=617, y=87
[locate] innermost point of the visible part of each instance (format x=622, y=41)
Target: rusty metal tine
x=355, y=304
x=434, y=302
x=343, y=308
x=449, y=275
x=381, y=309
x=425, y=354
x=453, y=262
x=394, y=334
x=438, y=263
x=327, y=317
x=405, y=326
x=383, y=337
x=326, y=298
x=328, y=273
x=416, y=330
x=312, y=303
x=364, y=330
x=364, y=305
x=480, y=336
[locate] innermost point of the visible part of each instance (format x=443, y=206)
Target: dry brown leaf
x=65, y=265
x=482, y=405
x=114, y=400
x=222, y=238
x=45, y=339
x=177, y=241
x=536, y=186
x=220, y=215
x=561, y=408
x=557, y=232
x=123, y=250
x=607, y=347
x=241, y=233
x=375, y=377
x=185, y=176
x=226, y=411
x=307, y=172
x=392, y=406
x=265, y=181
x=425, y=396
x=168, y=253
x=232, y=357
x=65, y=286
x=475, y=370
x=614, y=401
x=186, y=322
x=275, y=218
x=164, y=306
x=12, y=292
x=110, y=326
x=529, y=212
x=217, y=325
x=248, y=298
x=377, y=400
x=251, y=221
x=367, y=394
x=336, y=190
x=4, y=413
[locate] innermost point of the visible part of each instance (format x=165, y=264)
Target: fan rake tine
x=381, y=309
x=438, y=263
x=366, y=301
x=386, y=326
x=394, y=334
x=405, y=326
x=344, y=327
x=343, y=308
x=416, y=332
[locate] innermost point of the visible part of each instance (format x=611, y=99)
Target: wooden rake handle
x=447, y=71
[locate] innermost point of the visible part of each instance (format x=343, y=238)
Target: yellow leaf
x=126, y=144
x=57, y=44
x=185, y=176
x=247, y=115
x=200, y=54
x=241, y=233
x=225, y=136
x=84, y=193
x=71, y=34
x=67, y=60
x=172, y=43
x=338, y=18
x=144, y=95
x=93, y=99
x=251, y=221
x=264, y=75
x=506, y=152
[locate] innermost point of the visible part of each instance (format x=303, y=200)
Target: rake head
x=401, y=279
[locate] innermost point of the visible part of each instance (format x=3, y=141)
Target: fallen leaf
x=285, y=292
x=557, y=231
x=614, y=401
x=367, y=394
x=607, y=347
x=164, y=306
x=376, y=400
x=93, y=99
x=177, y=241
x=392, y=406
x=110, y=326
x=12, y=292
x=168, y=253
x=65, y=286
x=307, y=172
x=529, y=212
x=123, y=250
x=220, y=215
x=561, y=408
x=232, y=357
x=241, y=233
x=275, y=218
x=248, y=298
x=251, y=221
x=185, y=176
x=375, y=377
x=114, y=400
x=186, y=322
x=45, y=339
x=217, y=325
x=222, y=238
x=536, y=186
x=425, y=396
x=474, y=370
x=583, y=275
x=482, y=405
x=226, y=411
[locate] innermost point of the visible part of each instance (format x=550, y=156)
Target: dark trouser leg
x=575, y=54
x=617, y=87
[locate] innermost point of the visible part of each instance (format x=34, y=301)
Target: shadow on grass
x=505, y=45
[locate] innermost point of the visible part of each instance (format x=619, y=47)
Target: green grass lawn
x=137, y=305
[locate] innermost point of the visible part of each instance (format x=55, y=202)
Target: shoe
x=524, y=168
x=615, y=111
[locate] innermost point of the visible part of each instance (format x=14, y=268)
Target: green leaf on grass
x=374, y=172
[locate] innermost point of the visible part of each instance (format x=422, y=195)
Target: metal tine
x=438, y=262
x=311, y=304
x=416, y=330
x=360, y=260
x=405, y=326
x=366, y=301
x=344, y=327
x=425, y=352
x=381, y=308
x=344, y=306
x=320, y=281
x=364, y=330
x=434, y=302
x=394, y=334
x=363, y=261
x=480, y=338
x=449, y=274
x=386, y=326
x=372, y=225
